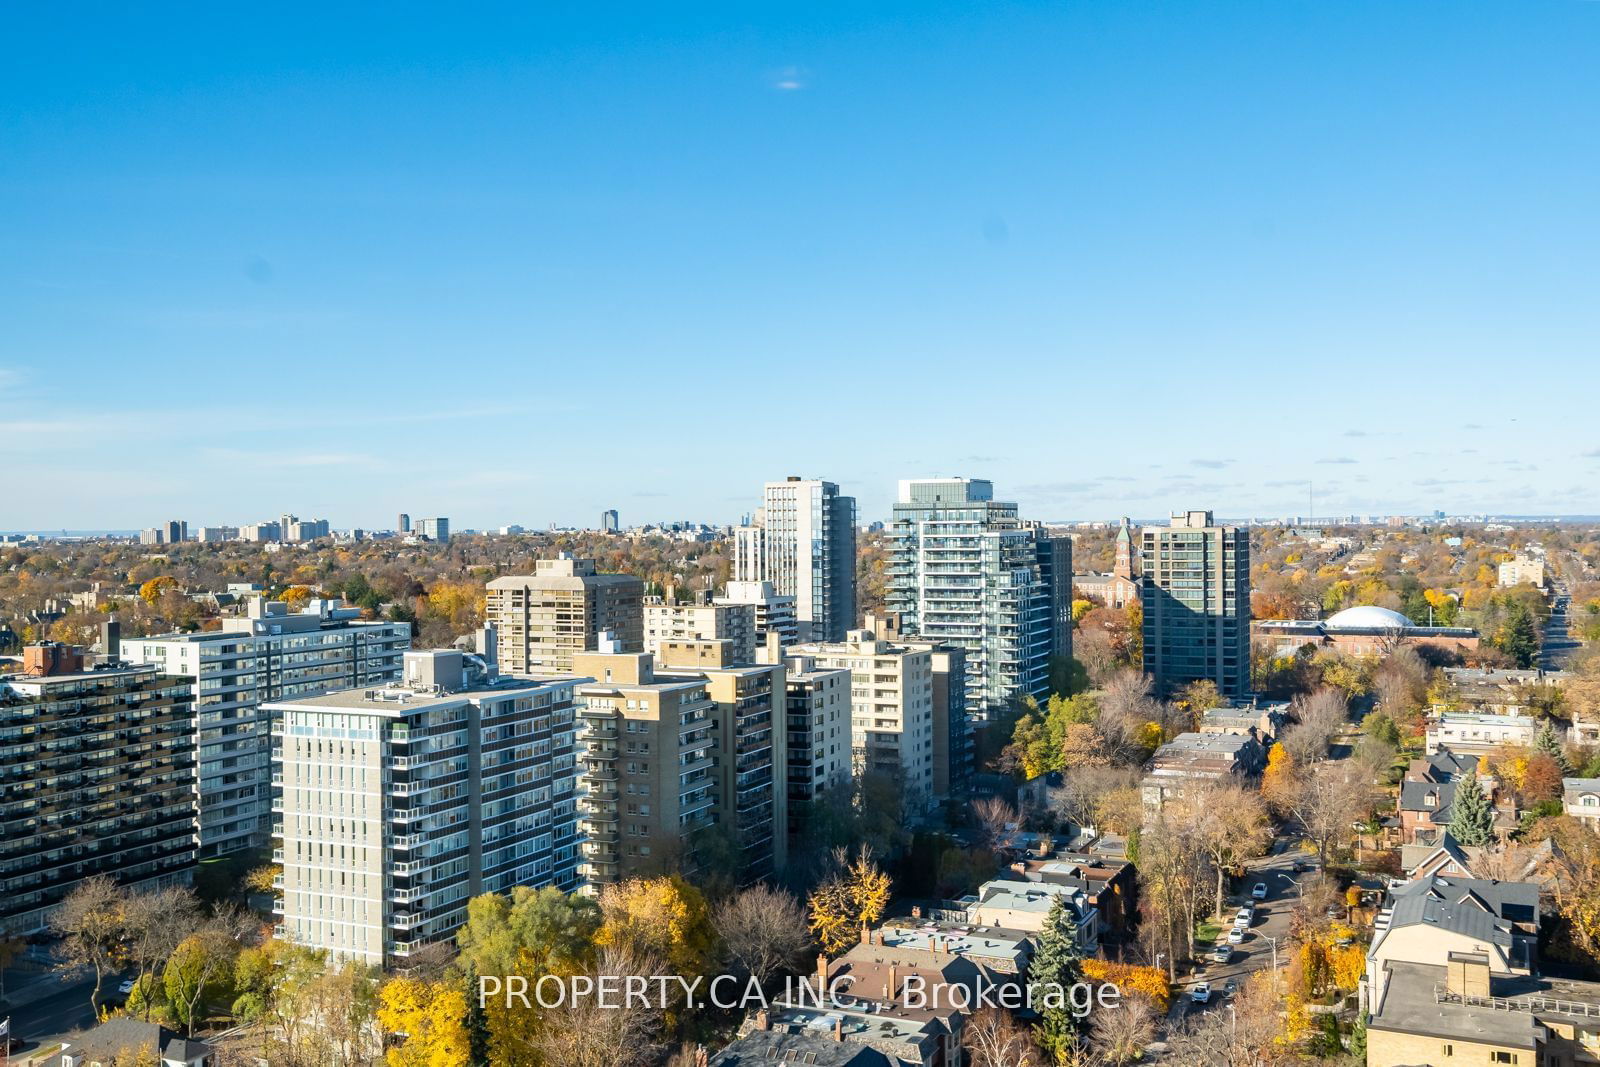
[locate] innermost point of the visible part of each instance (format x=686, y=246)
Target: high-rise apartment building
x=803, y=541
x=545, y=618
x=398, y=804
x=954, y=755
x=891, y=708
x=966, y=572
x=96, y=777
x=610, y=521
x=1195, y=590
x=674, y=750
x=774, y=613
x=269, y=654
x=403, y=523
x=735, y=623
x=819, y=757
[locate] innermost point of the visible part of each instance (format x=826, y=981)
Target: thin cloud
x=1356, y=433
x=1211, y=464
x=1338, y=459
x=790, y=79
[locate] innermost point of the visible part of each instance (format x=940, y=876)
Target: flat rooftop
x=398, y=699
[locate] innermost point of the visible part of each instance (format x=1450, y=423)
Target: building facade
x=735, y=623
x=803, y=541
x=774, y=613
x=1195, y=590
x=966, y=572
x=891, y=708
x=96, y=778
x=398, y=804
x=674, y=750
x=546, y=618
x=269, y=654
x=818, y=759
x=437, y=529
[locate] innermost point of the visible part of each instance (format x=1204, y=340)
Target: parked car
x=1236, y=935
x=1258, y=891
x=1301, y=865
x=1230, y=987
x=127, y=986
x=1245, y=917
x=1200, y=992
x=1222, y=953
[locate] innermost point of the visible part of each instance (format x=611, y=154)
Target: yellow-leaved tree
x=432, y=1016
x=662, y=917
x=855, y=895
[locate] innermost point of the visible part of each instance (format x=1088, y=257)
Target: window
x=1498, y=1056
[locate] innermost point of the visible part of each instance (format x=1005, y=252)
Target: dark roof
x=1446, y=766
x=1413, y=797
x=118, y=1035
x=1481, y=908
x=769, y=1049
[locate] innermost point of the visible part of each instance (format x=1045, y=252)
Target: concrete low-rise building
x=1023, y=905
x=1580, y=798
x=1469, y=733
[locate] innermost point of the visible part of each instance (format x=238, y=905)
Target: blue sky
x=521, y=263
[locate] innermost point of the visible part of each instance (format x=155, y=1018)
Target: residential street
x=1558, y=642
x=1272, y=922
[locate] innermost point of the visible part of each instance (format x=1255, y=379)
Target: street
x=1271, y=922
x=1558, y=642
x=56, y=1013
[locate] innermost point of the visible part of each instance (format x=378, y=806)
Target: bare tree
x=1123, y=1032
x=90, y=923
x=1084, y=789
x=1126, y=704
x=999, y=826
x=1242, y=1037
x=1326, y=799
x=1320, y=716
x=589, y=1034
x=764, y=931
x=1228, y=825
x=157, y=923
x=992, y=1038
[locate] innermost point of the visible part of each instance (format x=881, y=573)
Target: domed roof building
x=1360, y=630
x=1367, y=617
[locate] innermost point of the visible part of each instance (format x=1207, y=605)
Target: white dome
x=1367, y=617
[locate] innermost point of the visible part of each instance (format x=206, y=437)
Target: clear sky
x=522, y=263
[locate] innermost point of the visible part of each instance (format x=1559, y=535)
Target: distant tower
x=610, y=521
x=1123, y=568
x=404, y=523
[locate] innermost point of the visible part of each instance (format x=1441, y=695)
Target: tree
x=998, y=824
x=1576, y=854
x=1541, y=781
x=556, y=929
x=1229, y=824
x=1547, y=742
x=588, y=1032
x=1471, y=816
x=664, y=918
x=1325, y=798
x=993, y=1039
x=203, y=963
x=92, y=929
x=1083, y=747
x=1056, y=967
x=1122, y=1033
x=150, y=592
x=855, y=895
x=763, y=931
x=433, y=1020
x=156, y=924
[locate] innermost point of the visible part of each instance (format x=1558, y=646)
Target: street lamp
x=1299, y=888
x=1274, y=942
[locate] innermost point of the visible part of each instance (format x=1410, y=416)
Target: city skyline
x=1169, y=259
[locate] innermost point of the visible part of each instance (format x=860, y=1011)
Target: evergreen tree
x=1518, y=636
x=1358, y=1039
x=1057, y=966
x=1471, y=816
x=1547, y=742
